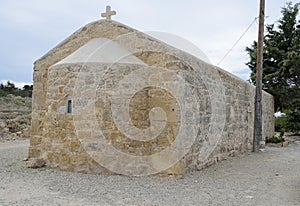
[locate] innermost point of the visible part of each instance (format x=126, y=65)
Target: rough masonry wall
x=237, y=135
x=205, y=111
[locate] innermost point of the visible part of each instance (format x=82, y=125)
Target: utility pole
x=257, y=138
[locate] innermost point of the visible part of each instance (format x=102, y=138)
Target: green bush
x=275, y=140
x=281, y=123
x=293, y=121
x=289, y=122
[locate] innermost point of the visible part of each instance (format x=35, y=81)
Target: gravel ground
x=267, y=178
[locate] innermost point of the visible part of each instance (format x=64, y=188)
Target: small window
x=69, y=105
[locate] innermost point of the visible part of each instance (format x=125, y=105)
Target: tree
x=27, y=91
x=9, y=88
x=281, y=66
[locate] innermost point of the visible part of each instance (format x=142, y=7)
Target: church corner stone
x=110, y=99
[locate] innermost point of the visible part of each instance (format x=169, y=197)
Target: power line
x=230, y=50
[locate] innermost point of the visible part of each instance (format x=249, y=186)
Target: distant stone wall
x=173, y=114
x=268, y=126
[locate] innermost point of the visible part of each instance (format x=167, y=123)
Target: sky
x=31, y=28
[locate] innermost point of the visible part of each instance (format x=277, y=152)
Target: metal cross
x=108, y=13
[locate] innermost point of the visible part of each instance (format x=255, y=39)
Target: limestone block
x=35, y=163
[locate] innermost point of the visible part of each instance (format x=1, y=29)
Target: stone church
x=113, y=100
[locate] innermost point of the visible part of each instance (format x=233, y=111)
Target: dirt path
x=268, y=178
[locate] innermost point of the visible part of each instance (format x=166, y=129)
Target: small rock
x=2, y=125
x=25, y=159
x=35, y=163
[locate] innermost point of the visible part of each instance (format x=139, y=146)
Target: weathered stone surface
x=155, y=110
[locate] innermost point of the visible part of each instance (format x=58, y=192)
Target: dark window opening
x=69, y=108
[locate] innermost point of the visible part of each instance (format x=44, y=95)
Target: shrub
x=275, y=140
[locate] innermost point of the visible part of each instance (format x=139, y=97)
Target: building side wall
x=237, y=134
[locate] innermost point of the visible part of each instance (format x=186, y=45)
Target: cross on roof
x=108, y=13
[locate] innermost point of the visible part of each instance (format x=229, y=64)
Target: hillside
x=15, y=114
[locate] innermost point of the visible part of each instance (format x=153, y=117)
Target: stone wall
x=169, y=115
